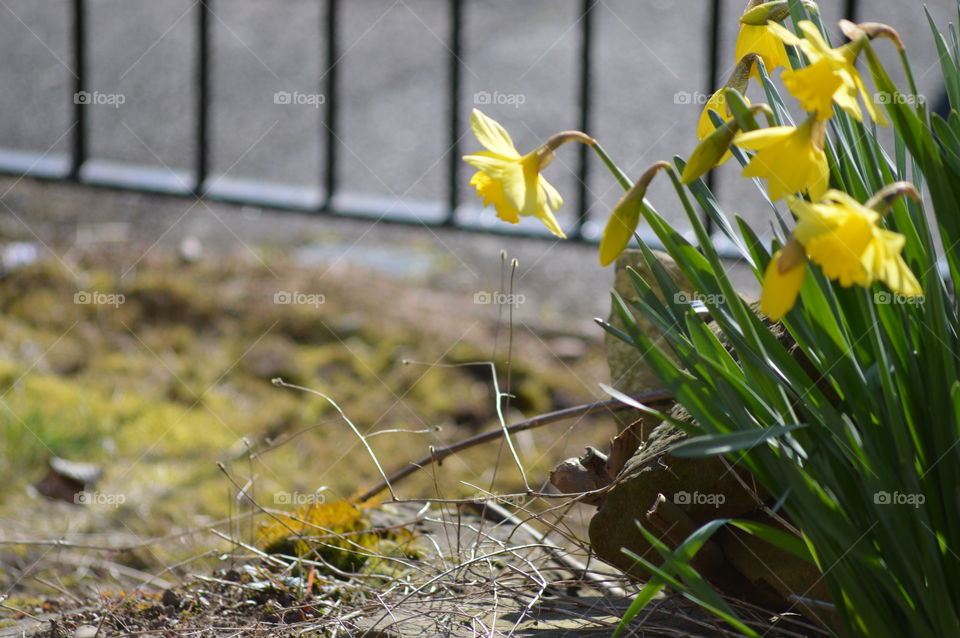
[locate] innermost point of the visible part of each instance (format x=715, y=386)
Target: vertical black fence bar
x=455, y=77
x=201, y=160
x=585, y=91
x=330, y=112
x=713, y=77
x=850, y=10
x=79, y=141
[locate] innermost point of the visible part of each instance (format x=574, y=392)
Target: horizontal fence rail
x=200, y=182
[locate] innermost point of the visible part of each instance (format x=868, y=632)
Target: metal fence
x=33, y=164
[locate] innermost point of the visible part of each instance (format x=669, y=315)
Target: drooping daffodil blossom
x=830, y=78
x=791, y=159
x=512, y=182
x=845, y=239
x=756, y=37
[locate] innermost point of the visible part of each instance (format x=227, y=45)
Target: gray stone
x=86, y=631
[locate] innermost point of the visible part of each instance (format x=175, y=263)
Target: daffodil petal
x=515, y=189
x=900, y=279
x=491, y=192
x=550, y=221
x=489, y=163
x=846, y=98
x=554, y=200
x=783, y=33
x=762, y=138
x=877, y=114
x=763, y=41
x=492, y=135
x=819, y=181
x=812, y=35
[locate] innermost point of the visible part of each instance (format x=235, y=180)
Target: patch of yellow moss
x=336, y=533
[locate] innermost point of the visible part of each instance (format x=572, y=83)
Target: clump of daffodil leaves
x=859, y=446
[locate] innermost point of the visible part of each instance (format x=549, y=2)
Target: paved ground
x=393, y=97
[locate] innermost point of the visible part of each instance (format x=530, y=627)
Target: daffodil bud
x=713, y=148
x=709, y=151
x=740, y=109
x=625, y=217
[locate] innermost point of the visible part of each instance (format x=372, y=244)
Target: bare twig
x=612, y=405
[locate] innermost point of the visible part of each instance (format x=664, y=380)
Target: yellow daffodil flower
x=760, y=39
x=509, y=181
x=844, y=238
x=791, y=159
x=831, y=76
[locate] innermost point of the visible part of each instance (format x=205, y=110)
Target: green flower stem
x=612, y=166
